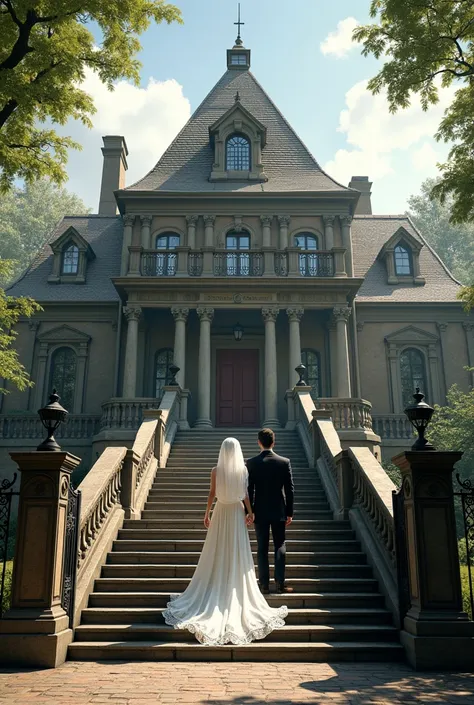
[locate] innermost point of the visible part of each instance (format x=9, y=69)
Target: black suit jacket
x=269, y=475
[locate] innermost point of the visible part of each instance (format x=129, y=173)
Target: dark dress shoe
x=264, y=589
x=283, y=589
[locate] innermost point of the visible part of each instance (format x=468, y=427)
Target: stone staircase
x=336, y=612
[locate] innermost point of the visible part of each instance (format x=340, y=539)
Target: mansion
x=236, y=258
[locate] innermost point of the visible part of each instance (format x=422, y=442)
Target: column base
x=183, y=425
x=271, y=423
x=36, y=638
x=205, y=424
x=438, y=652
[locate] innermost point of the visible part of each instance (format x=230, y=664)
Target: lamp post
x=174, y=369
x=419, y=415
x=238, y=332
x=52, y=415
x=300, y=371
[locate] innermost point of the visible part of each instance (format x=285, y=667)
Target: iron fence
x=7, y=492
x=71, y=553
x=466, y=496
x=401, y=554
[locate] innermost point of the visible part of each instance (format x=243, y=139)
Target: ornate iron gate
x=466, y=495
x=71, y=551
x=398, y=501
x=6, y=496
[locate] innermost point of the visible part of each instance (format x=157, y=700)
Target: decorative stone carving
x=266, y=220
x=128, y=219
x=180, y=314
x=329, y=220
x=132, y=313
x=342, y=313
x=192, y=219
x=345, y=219
x=270, y=314
x=360, y=326
x=205, y=314
x=295, y=314
x=468, y=327
x=146, y=220
x=33, y=326
x=284, y=220
x=442, y=327
x=209, y=220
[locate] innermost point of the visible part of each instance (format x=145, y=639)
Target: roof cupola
x=238, y=57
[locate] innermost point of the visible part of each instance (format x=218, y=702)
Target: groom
x=269, y=475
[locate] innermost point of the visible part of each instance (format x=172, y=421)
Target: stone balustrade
x=348, y=414
x=392, y=426
x=126, y=413
x=28, y=425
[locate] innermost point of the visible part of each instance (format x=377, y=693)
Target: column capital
x=180, y=314
x=209, y=219
x=192, y=219
x=146, y=220
x=442, y=327
x=468, y=327
x=33, y=325
x=129, y=219
x=345, y=219
x=329, y=219
x=270, y=314
x=295, y=314
x=132, y=313
x=284, y=219
x=205, y=314
x=266, y=219
x=341, y=313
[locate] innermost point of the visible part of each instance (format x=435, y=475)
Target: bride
x=223, y=602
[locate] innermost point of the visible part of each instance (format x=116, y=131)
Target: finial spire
x=238, y=41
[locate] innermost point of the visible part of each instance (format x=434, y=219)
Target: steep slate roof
x=187, y=163
x=104, y=234
x=369, y=234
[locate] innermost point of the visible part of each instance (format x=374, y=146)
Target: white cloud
x=148, y=117
x=374, y=136
x=339, y=43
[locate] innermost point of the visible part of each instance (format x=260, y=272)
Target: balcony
x=230, y=263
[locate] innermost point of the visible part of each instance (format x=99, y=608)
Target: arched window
x=403, y=260
x=63, y=376
x=310, y=359
x=412, y=373
x=237, y=153
x=167, y=262
x=306, y=241
x=311, y=264
x=163, y=360
x=237, y=264
x=70, y=261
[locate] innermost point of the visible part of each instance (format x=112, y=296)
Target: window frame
x=71, y=246
x=167, y=263
x=67, y=403
x=238, y=158
x=238, y=264
x=424, y=376
x=315, y=393
x=409, y=255
x=167, y=378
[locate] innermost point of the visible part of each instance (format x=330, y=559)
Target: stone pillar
x=35, y=631
x=33, y=327
x=444, y=343
x=436, y=632
x=82, y=354
x=128, y=220
x=294, y=317
x=346, y=221
x=328, y=221
x=469, y=331
x=284, y=221
x=266, y=221
x=40, y=392
x=180, y=316
x=191, y=221
x=132, y=314
x=271, y=393
x=209, y=221
x=145, y=232
x=204, y=380
x=341, y=314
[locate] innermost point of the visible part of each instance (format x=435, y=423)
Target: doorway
x=237, y=388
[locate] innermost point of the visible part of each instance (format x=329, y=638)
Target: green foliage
x=45, y=47
x=452, y=428
x=467, y=296
x=426, y=44
x=7, y=592
x=393, y=472
x=466, y=594
x=11, y=309
x=28, y=215
x=463, y=552
x=453, y=243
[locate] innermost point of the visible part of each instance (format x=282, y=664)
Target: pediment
x=72, y=235
x=401, y=234
x=410, y=335
x=238, y=119
x=63, y=334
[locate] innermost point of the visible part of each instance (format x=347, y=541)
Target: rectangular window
x=238, y=59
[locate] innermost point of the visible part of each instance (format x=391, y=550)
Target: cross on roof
x=239, y=23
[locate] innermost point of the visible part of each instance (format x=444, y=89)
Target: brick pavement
x=232, y=684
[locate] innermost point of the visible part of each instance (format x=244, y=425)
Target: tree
x=453, y=243
x=45, y=48
x=28, y=215
x=11, y=309
x=426, y=44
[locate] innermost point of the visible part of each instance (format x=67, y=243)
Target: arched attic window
x=237, y=153
x=70, y=259
x=412, y=374
x=403, y=260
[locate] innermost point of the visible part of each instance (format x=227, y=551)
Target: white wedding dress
x=223, y=603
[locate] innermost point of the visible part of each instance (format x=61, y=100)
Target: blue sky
x=303, y=57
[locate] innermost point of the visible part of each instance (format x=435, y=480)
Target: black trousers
x=262, y=529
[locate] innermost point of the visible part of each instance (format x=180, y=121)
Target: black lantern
x=300, y=371
x=238, y=332
x=174, y=369
x=419, y=415
x=52, y=415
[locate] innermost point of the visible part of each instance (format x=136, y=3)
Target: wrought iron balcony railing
x=316, y=264
x=281, y=264
x=195, y=264
x=231, y=263
x=159, y=263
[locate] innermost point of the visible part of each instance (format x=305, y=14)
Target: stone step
x=173, y=584
x=186, y=494
x=154, y=615
x=256, y=651
x=162, y=520
x=121, y=555
x=297, y=600
x=196, y=506
x=176, y=539
x=313, y=525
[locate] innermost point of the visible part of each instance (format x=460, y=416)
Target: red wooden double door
x=237, y=388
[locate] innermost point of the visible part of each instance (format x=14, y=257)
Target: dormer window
x=238, y=59
x=402, y=256
x=70, y=263
x=237, y=154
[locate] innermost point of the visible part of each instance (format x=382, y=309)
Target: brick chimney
x=362, y=184
x=113, y=172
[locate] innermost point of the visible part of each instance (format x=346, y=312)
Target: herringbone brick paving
x=118, y=683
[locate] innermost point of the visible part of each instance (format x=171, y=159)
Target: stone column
x=294, y=317
x=436, y=632
x=469, y=331
x=209, y=221
x=328, y=221
x=444, y=343
x=35, y=631
x=132, y=314
x=266, y=221
x=180, y=316
x=346, y=221
x=191, y=221
x=128, y=220
x=145, y=232
x=204, y=380
x=40, y=392
x=82, y=354
x=271, y=393
x=33, y=327
x=284, y=221
x=341, y=314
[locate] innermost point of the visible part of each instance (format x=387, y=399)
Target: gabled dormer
x=71, y=253
x=238, y=139
x=401, y=255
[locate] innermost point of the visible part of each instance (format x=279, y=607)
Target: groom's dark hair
x=266, y=437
